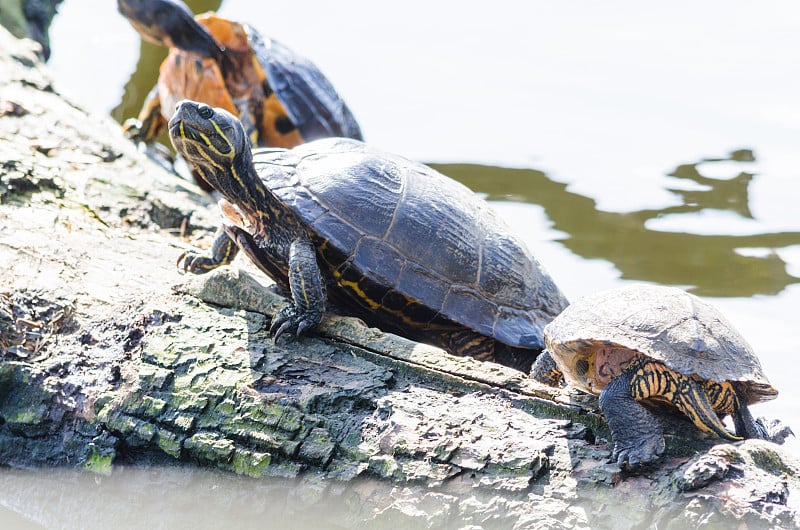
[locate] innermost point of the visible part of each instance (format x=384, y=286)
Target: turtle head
x=214, y=143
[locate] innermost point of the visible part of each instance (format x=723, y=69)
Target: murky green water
x=624, y=141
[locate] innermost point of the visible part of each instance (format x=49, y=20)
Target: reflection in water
x=718, y=194
x=190, y=498
x=709, y=263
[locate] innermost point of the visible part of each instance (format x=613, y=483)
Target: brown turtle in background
x=660, y=345
x=281, y=98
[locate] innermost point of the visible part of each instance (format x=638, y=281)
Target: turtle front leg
x=546, y=371
x=308, y=292
x=150, y=122
x=223, y=250
x=635, y=431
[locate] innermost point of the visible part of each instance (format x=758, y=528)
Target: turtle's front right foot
x=132, y=130
x=293, y=321
x=642, y=451
x=223, y=250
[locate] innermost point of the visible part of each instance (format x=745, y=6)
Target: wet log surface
x=110, y=357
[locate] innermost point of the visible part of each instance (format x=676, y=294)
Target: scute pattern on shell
x=666, y=323
x=403, y=224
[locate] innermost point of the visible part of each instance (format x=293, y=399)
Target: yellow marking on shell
x=373, y=304
x=353, y=286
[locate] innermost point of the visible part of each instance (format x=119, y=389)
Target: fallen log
x=109, y=357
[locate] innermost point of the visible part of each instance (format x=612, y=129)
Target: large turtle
x=390, y=240
x=282, y=98
x=660, y=345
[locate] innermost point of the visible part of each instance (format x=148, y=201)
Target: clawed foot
x=195, y=263
x=290, y=320
x=132, y=129
x=773, y=430
x=633, y=455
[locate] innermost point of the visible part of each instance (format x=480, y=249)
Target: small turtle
x=660, y=345
x=389, y=240
x=282, y=98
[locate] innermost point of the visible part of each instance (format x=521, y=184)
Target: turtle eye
x=205, y=112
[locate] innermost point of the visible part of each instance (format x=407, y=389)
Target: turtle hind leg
x=652, y=379
x=635, y=431
x=468, y=343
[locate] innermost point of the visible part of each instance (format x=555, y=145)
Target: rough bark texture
x=108, y=356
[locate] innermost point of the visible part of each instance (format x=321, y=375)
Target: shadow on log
x=110, y=359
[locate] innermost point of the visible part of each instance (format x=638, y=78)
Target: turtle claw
x=639, y=453
x=132, y=129
x=289, y=320
x=195, y=263
x=282, y=322
x=773, y=430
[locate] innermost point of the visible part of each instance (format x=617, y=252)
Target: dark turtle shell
x=403, y=240
x=311, y=102
x=665, y=323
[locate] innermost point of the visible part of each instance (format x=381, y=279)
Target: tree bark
x=108, y=356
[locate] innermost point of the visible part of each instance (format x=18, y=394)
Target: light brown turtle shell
x=665, y=323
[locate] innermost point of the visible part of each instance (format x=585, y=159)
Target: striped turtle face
x=206, y=136
x=609, y=362
x=590, y=365
x=214, y=143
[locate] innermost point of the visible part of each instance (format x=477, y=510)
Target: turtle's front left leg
x=223, y=250
x=546, y=371
x=150, y=122
x=635, y=431
x=308, y=292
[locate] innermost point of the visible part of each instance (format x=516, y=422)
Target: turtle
x=281, y=97
x=661, y=346
x=383, y=238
